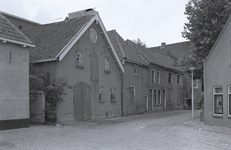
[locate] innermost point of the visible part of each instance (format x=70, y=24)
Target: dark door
x=82, y=101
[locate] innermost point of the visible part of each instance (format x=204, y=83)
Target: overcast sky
x=153, y=21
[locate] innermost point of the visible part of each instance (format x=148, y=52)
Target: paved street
x=171, y=130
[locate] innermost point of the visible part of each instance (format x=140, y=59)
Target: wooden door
x=82, y=101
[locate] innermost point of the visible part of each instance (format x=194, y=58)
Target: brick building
x=150, y=82
x=178, y=51
x=14, y=73
x=79, y=50
x=217, y=80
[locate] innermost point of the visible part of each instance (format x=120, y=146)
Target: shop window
x=153, y=76
x=218, y=100
x=132, y=93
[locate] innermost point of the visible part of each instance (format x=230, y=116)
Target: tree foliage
x=206, y=20
x=140, y=43
x=53, y=91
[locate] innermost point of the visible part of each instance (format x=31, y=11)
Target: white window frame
x=229, y=101
x=214, y=94
x=153, y=75
x=158, y=77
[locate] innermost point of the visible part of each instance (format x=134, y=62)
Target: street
x=172, y=130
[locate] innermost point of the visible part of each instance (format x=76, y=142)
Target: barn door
x=82, y=101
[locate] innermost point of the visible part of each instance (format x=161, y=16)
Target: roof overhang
x=4, y=40
x=79, y=34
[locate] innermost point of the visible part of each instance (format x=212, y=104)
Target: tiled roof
x=154, y=57
x=10, y=32
x=176, y=50
x=123, y=50
x=50, y=39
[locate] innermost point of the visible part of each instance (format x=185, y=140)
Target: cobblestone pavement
x=171, y=130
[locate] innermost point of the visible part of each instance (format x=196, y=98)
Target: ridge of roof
x=10, y=33
x=4, y=13
x=176, y=49
x=154, y=58
x=48, y=44
x=123, y=49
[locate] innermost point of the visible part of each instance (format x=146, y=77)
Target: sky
x=152, y=21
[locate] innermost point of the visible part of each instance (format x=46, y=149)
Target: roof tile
x=51, y=38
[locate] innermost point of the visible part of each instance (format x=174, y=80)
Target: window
x=132, y=93
x=218, y=100
x=195, y=84
x=153, y=76
x=158, y=77
x=101, y=95
x=151, y=97
x=113, y=95
x=94, y=68
x=159, y=97
x=178, y=79
x=229, y=100
x=79, y=59
x=169, y=77
x=136, y=69
x=155, y=98
x=107, y=65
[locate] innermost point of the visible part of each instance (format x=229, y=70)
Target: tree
x=53, y=91
x=140, y=43
x=206, y=20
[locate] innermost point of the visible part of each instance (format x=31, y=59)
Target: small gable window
x=136, y=69
x=79, y=59
x=107, y=65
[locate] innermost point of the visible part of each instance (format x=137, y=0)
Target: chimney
x=81, y=13
x=163, y=45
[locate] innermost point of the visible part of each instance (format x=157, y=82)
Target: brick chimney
x=81, y=13
x=163, y=45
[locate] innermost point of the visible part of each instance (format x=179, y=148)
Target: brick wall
x=217, y=73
